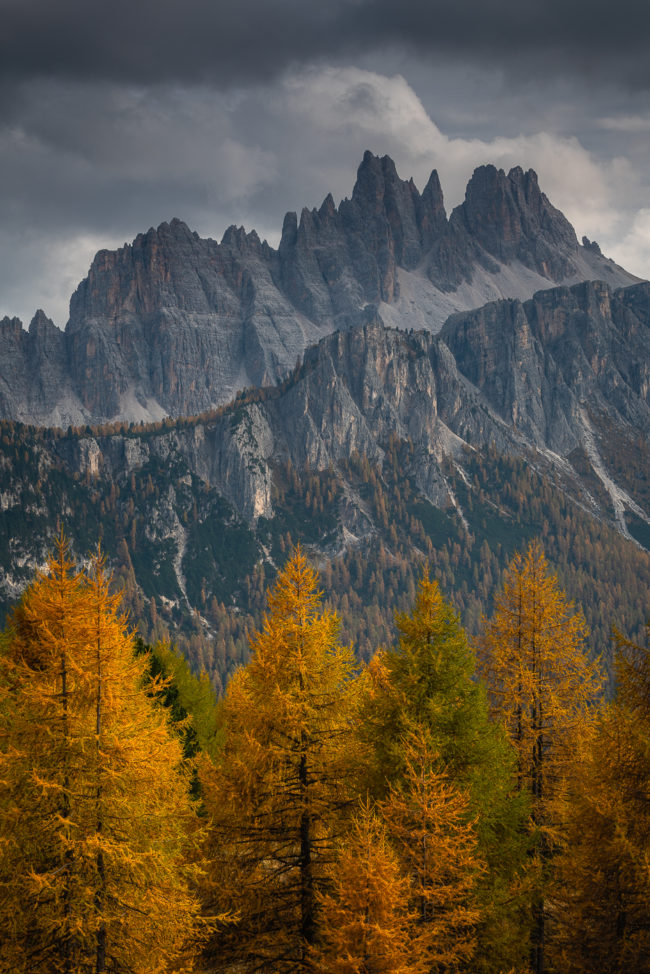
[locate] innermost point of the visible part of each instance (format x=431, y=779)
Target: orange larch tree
x=542, y=685
x=94, y=809
x=427, y=819
x=602, y=889
x=276, y=795
x=366, y=912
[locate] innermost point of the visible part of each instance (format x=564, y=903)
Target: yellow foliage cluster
x=393, y=817
x=94, y=812
x=314, y=871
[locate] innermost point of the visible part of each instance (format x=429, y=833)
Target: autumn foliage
x=278, y=793
x=542, y=688
x=602, y=892
x=94, y=811
x=399, y=817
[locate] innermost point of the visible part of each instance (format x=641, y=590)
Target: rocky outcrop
x=561, y=380
x=540, y=363
x=173, y=324
x=35, y=381
x=551, y=375
x=511, y=219
x=335, y=261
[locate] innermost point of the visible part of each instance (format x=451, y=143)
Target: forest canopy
x=450, y=805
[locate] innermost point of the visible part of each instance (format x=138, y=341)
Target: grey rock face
x=562, y=379
x=181, y=323
x=511, y=219
x=550, y=375
x=540, y=363
x=175, y=325
x=35, y=384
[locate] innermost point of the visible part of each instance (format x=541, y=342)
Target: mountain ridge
x=382, y=448
x=553, y=375
x=174, y=324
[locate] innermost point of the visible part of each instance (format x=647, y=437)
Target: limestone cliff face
x=553, y=375
x=540, y=363
x=173, y=324
x=562, y=380
x=334, y=262
x=35, y=381
x=511, y=219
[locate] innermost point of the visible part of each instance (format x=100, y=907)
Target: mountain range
x=453, y=438
x=173, y=324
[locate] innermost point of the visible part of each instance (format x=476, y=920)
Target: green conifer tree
x=426, y=689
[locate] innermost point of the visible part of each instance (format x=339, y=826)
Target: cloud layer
x=234, y=41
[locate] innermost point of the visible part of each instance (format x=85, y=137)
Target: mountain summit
x=173, y=324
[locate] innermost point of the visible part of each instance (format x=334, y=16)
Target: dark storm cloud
x=246, y=40
x=150, y=41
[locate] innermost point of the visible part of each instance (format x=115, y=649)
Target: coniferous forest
x=447, y=805
x=194, y=572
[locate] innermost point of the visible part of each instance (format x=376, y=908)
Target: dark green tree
x=426, y=688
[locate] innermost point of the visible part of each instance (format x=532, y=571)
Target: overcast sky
x=117, y=116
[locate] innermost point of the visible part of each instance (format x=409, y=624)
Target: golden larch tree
x=602, y=889
x=366, y=916
x=94, y=810
x=427, y=819
x=542, y=686
x=276, y=794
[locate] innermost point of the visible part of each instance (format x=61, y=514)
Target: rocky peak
x=289, y=231
x=41, y=325
x=431, y=216
x=173, y=231
x=158, y=270
x=10, y=328
x=369, y=188
x=591, y=245
x=328, y=209
x=173, y=323
x=389, y=208
x=511, y=219
x=243, y=242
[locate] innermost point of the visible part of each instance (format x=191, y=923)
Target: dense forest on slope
x=194, y=571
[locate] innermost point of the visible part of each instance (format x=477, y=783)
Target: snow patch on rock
x=619, y=497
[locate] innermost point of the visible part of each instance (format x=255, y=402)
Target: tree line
x=443, y=807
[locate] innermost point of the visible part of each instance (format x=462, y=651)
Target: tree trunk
x=307, y=925
x=100, y=898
